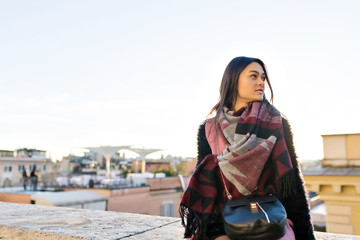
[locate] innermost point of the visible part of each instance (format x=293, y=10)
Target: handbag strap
x=226, y=190
x=221, y=173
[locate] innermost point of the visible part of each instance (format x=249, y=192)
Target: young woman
x=247, y=146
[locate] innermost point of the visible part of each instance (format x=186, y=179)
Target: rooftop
x=333, y=171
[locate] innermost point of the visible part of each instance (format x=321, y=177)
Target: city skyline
x=147, y=73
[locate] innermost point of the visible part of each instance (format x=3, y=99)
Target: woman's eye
x=253, y=76
x=263, y=78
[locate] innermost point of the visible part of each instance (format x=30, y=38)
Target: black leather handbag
x=252, y=218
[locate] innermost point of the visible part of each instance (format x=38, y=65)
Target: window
x=167, y=209
x=32, y=167
x=44, y=168
x=21, y=168
x=7, y=169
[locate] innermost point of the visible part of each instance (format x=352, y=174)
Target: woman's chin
x=258, y=99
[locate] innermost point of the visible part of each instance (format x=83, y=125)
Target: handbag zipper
x=267, y=218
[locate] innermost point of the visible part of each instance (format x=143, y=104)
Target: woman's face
x=250, y=85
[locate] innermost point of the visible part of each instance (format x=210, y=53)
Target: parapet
x=25, y=221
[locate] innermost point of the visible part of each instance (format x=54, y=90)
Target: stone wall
x=24, y=221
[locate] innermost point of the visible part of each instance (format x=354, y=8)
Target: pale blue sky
x=146, y=73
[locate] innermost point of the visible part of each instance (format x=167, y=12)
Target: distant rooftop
x=69, y=197
x=333, y=171
x=59, y=198
x=340, y=134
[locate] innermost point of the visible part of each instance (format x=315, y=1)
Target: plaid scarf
x=249, y=155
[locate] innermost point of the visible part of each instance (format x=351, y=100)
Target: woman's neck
x=239, y=104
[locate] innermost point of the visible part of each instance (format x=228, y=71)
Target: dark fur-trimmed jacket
x=296, y=206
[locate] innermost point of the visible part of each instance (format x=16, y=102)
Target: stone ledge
x=88, y=224
x=23, y=221
x=20, y=234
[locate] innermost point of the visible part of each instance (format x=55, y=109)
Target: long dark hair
x=229, y=83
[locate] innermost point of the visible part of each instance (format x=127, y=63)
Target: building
x=169, y=165
x=13, y=163
x=82, y=199
x=158, y=165
x=92, y=163
x=158, y=196
x=338, y=182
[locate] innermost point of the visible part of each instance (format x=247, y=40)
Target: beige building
x=338, y=182
x=341, y=150
x=13, y=163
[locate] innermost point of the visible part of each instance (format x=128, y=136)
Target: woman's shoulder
x=287, y=129
x=206, y=121
x=288, y=135
x=285, y=122
x=203, y=145
x=205, y=126
x=201, y=129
